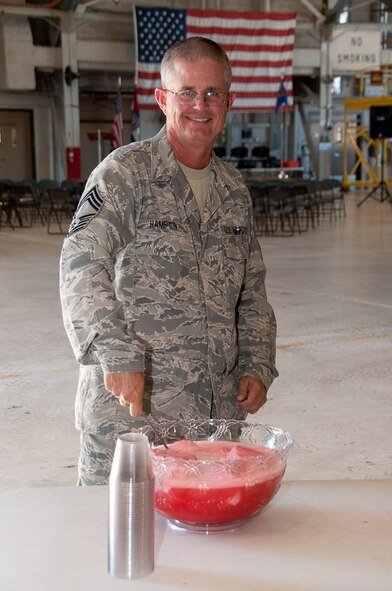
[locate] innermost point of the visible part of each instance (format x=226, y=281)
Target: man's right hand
x=128, y=387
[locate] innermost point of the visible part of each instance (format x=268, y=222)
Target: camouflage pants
x=95, y=459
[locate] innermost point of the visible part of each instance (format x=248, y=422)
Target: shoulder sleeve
x=93, y=316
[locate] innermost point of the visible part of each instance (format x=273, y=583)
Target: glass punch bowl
x=216, y=475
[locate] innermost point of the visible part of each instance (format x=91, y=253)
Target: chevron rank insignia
x=87, y=209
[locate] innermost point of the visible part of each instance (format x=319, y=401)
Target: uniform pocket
x=235, y=246
x=232, y=267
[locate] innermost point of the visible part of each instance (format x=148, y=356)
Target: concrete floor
x=332, y=292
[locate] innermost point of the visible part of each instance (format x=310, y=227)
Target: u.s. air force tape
x=87, y=209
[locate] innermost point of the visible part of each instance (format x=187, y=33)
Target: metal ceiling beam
x=319, y=15
x=30, y=12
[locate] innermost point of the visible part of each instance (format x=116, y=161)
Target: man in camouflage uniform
x=162, y=278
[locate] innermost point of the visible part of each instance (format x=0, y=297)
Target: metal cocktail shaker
x=131, y=509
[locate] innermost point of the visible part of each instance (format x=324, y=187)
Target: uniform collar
x=165, y=171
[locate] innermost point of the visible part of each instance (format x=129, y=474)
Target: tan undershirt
x=199, y=180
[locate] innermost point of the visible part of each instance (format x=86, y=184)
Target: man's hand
x=128, y=387
x=252, y=394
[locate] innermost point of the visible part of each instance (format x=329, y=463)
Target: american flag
x=259, y=45
x=117, y=128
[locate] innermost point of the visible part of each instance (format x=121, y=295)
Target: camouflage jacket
x=148, y=284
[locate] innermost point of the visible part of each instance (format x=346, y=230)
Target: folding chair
x=24, y=204
x=37, y=204
x=260, y=205
x=305, y=204
x=282, y=212
x=60, y=209
x=330, y=197
x=5, y=206
x=75, y=188
x=43, y=186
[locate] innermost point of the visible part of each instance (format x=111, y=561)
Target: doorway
x=16, y=145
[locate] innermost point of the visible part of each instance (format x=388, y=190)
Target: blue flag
x=281, y=99
x=117, y=127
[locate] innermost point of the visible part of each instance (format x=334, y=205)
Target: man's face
x=197, y=122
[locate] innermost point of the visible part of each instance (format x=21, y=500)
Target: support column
x=326, y=79
x=70, y=95
x=325, y=143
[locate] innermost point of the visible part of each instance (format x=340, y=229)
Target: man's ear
x=160, y=97
x=230, y=100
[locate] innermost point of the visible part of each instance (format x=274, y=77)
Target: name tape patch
x=163, y=224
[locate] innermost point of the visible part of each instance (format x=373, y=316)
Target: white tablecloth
x=315, y=536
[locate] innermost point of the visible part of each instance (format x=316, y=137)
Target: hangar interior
x=62, y=62
x=330, y=284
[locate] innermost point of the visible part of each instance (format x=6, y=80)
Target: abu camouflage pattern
x=149, y=284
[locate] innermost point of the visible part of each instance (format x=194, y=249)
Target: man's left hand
x=252, y=394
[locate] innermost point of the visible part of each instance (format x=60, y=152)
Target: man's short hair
x=194, y=49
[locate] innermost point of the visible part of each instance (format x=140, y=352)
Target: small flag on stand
x=281, y=98
x=135, y=133
x=117, y=128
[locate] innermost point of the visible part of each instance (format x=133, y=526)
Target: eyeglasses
x=190, y=97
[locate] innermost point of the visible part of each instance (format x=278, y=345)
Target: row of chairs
x=259, y=152
x=282, y=208
x=47, y=201
x=244, y=157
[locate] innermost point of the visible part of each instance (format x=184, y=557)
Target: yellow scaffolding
x=368, y=152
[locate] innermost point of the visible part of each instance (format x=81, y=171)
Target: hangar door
x=16, y=145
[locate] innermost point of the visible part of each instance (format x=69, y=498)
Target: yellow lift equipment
x=371, y=154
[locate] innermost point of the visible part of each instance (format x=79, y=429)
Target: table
x=314, y=536
x=271, y=173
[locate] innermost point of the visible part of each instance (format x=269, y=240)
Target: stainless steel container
x=131, y=509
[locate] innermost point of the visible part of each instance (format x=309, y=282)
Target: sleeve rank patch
x=87, y=209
